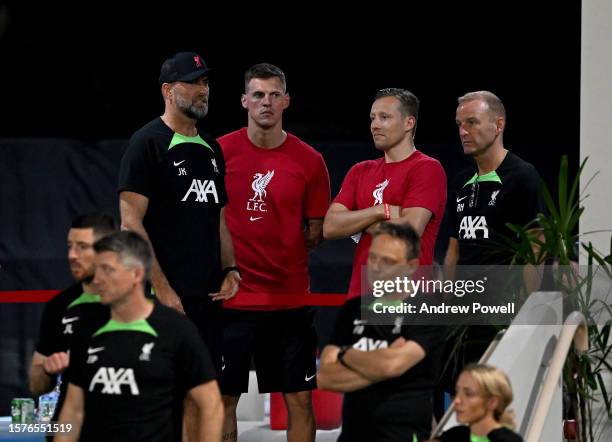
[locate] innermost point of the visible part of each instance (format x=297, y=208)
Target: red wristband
x=387, y=211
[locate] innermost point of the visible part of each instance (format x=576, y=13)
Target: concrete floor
x=259, y=431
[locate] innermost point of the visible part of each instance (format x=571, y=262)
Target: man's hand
x=169, y=298
x=56, y=363
x=133, y=207
x=398, y=342
x=313, y=233
x=395, y=211
x=229, y=287
x=334, y=376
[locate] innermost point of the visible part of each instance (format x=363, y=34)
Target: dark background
x=91, y=72
x=77, y=81
x=88, y=74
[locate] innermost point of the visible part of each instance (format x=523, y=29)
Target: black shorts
x=208, y=318
x=282, y=343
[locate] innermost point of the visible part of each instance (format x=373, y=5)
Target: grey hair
x=493, y=102
x=132, y=249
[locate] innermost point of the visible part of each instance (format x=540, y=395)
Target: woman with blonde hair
x=482, y=395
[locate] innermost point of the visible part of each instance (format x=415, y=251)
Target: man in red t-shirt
x=278, y=193
x=404, y=186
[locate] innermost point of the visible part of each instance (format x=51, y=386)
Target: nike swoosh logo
x=91, y=351
x=461, y=199
x=178, y=163
x=69, y=320
x=309, y=378
x=255, y=218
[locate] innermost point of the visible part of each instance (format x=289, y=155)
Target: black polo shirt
x=480, y=206
x=184, y=180
x=134, y=374
x=398, y=406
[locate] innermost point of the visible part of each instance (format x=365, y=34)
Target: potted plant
x=553, y=238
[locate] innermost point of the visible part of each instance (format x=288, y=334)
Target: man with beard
x=127, y=376
x=74, y=311
x=405, y=186
x=172, y=192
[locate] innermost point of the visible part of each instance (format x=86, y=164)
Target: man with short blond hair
x=405, y=186
x=499, y=188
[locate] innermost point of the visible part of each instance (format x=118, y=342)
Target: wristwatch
x=226, y=270
x=341, y=354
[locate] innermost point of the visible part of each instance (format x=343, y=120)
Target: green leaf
x=563, y=187
x=607, y=365
x=576, y=182
x=572, y=221
x=590, y=377
x=605, y=333
x=604, y=393
x=550, y=204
